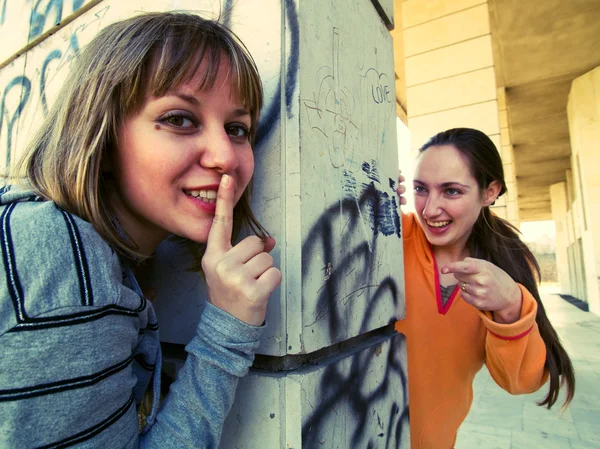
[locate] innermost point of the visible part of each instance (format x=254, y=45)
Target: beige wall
x=450, y=80
x=583, y=112
x=558, y=198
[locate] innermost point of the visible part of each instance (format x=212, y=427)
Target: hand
x=401, y=189
x=240, y=279
x=487, y=287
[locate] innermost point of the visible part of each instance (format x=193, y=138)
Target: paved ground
x=498, y=420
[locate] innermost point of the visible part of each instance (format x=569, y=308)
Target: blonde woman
x=151, y=136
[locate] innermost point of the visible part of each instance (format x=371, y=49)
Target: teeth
x=438, y=224
x=206, y=195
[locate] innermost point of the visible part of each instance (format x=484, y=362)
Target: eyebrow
x=445, y=184
x=240, y=112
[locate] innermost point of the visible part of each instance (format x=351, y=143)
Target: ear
x=490, y=194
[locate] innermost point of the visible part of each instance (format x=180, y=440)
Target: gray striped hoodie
x=79, y=344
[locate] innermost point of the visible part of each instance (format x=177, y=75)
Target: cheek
x=471, y=213
x=419, y=203
x=245, y=171
x=246, y=167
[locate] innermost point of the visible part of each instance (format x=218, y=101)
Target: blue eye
x=237, y=130
x=453, y=192
x=418, y=189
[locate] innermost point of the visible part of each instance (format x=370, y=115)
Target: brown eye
x=237, y=130
x=176, y=121
x=179, y=119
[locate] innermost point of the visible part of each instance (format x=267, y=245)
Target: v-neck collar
x=442, y=309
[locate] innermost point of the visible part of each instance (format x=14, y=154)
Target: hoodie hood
x=13, y=194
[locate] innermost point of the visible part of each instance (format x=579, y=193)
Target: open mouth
x=208, y=196
x=438, y=224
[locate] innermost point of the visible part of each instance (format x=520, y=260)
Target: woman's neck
x=448, y=254
x=445, y=255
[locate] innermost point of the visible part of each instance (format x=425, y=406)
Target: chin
x=198, y=235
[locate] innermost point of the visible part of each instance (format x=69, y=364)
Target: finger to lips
x=219, y=236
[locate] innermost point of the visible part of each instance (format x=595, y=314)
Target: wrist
x=250, y=316
x=512, y=312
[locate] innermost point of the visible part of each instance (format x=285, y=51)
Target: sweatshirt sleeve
x=193, y=413
x=516, y=353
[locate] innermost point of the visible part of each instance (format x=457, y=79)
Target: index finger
x=219, y=236
x=466, y=266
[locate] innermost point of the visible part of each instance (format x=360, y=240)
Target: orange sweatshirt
x=448, y=345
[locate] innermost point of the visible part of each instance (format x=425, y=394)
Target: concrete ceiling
x=539, y=48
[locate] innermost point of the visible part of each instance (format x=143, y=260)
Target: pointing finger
x=467, y=266
x=219, y=236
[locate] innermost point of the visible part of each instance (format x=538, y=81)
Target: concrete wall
x=326, y=158
x=450, y=78
x=583, y=111
x=558, y=196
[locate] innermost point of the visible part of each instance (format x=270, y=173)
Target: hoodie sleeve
x=193, y=413
x=516, y=353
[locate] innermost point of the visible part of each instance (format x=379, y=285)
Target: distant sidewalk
x=499, y=420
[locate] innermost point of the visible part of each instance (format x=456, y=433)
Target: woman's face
x=447, y=197
x=171, y=156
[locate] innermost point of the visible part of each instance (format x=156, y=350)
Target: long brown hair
x=496, y=240
x=148, y=54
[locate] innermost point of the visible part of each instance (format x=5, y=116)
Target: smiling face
x=171, y=155
x=447, y=198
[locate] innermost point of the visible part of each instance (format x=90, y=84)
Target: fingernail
x=225, y=180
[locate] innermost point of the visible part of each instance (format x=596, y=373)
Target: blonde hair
x=144, y=55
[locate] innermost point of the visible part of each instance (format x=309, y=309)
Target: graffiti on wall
x=345, y=386
x=48, y=13
x=348, y=114
x=20, y=91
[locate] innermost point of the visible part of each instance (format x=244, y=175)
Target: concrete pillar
x=330, y=371
x=583, y=110
x=510, y=198
x=558, y=198
x=450, y=78
x=398, y=39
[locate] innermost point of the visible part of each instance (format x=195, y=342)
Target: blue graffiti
x=54, y=54
x=40, y=16
x=25, y=85
x=272, y=115
x=3, y=14
x=38, y=20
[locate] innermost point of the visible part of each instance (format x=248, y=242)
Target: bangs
x=175, y=60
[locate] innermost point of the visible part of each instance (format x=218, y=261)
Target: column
x=558, y=198
x=583, y=111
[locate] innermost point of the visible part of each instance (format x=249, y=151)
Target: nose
x=218, y=151
x=432, y=206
